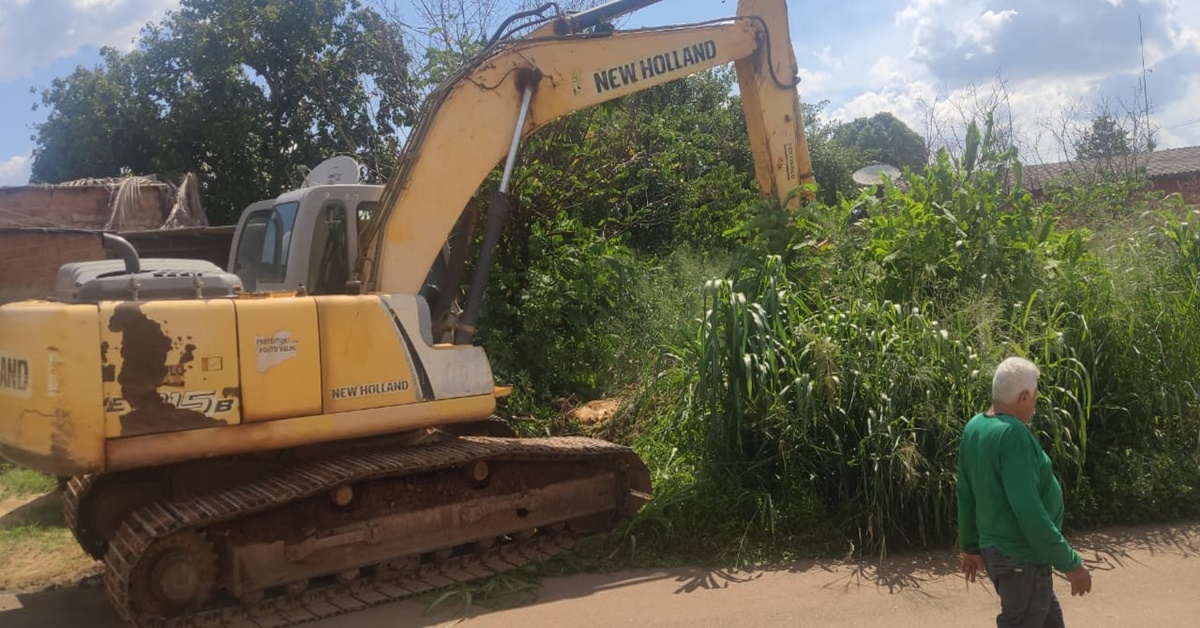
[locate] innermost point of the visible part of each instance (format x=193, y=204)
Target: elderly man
x=1010, y=505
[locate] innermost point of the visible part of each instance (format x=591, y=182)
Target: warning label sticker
x=271, y=351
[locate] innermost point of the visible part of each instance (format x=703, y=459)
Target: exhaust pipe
x=121, y=247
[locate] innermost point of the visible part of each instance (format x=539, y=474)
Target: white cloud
x=1180, y=120
x=918, y=10
x=1048, y=66
x=826, y=56
x=35, y=34
x=1036, y=111
x=1033, y=39
x=814, y=81
x=889, y=70
x=910, y=103
x=980, y=31
x=87, y=4
x=15, y=170
x=1185, y=23
x=840, y=63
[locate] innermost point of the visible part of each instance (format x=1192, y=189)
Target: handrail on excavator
x=576, y=22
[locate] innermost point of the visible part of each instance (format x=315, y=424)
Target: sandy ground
x=1144, y=576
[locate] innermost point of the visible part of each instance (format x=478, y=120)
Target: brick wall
x=79, y=207
x=1186, y=185
x=29, y=260
x=206, y=243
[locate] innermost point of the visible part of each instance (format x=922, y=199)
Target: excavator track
x=171, y=528
x=72, y=497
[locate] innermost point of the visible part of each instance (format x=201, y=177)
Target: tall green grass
x=806, y=393
x=17, y=482
x=833, y=366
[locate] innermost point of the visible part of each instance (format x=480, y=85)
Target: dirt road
x=1145, y=576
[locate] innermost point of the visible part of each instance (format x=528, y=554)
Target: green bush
x=835, y=364
x=549, y=322
x=811, y=386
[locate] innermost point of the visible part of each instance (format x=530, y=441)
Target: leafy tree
x=102, y=122
x=448, y=33
x=885, y=138
x=834, y=160
x=241, y=92
x=1105, y=139
x=662, y=169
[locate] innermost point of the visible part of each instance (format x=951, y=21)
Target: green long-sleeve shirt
x=1008, y=497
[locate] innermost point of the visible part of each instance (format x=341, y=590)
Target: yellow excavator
x=303, y=434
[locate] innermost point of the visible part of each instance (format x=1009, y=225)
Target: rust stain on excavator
x=144, y=349
x=177, y=373
x=108, y=372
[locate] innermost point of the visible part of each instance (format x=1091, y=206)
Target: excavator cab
x=303, y=241
x=308, y=240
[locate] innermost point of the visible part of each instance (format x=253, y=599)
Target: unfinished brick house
x=43, y=227
x=1171, y=171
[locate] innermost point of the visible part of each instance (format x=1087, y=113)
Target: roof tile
x=1160, y=163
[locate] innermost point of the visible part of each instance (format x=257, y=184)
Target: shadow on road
x=692, y=580
x=45, y=511
x=897, y=574
x=75, y=606
x=901, y=573
x=1112, y=548
x=1106, y=550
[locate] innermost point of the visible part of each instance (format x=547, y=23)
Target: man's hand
x=1081, y=580
x=971, y=565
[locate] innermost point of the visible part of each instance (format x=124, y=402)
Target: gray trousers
x=1026, y=592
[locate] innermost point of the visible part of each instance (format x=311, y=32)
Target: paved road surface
x=1144, y=576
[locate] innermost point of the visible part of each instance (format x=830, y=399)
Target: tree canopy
x=1104, y=139
x=885, y=138
x=241, y=92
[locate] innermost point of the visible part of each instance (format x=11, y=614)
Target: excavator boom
x=445, y=161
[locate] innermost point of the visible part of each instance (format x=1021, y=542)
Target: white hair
x=1013, y=376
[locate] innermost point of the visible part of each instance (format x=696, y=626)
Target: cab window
x=329, y=261
x=262, y=255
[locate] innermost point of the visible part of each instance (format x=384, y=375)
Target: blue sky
x=926, y=61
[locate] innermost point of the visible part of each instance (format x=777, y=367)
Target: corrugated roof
x=1161, y=163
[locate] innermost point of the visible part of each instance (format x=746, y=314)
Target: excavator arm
x=478, y=116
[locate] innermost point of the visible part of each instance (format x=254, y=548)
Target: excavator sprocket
x=339, y=534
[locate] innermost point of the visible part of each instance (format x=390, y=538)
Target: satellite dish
x=340, y=170
x=871, y=175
